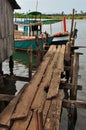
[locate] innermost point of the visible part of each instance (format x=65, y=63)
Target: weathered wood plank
x=5, y=116
x=40, y=120
x=41, y=94
x=55, y=81
x=2, y=128
x=6, y=97
x=22, y=124
x=53, y=118
x=78, y=103
x=34, y=122
x=46, y=110
x=29, y=95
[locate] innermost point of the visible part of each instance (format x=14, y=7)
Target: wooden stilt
x=38, y=50
x=30, y=63
x=11, y=65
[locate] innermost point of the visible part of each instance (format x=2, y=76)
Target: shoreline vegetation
x=51, y=16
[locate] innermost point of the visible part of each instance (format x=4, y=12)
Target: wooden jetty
x=38, y=105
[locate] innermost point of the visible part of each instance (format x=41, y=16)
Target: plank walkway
x=38, y=105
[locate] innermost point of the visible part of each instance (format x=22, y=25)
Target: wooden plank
x=6, y=97
x=53, y=118
x=55, y=81
x=54, y=85
x=41, y=94
x=34, y=122
x=46, y=110
x=61, y=59
x=69, y=86
x=2, y=128
x=29, y=95
x=40, y=120
x=22, y=124
x=78, y=103
x=5, y=116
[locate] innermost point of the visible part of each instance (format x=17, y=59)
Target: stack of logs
x=38, y=105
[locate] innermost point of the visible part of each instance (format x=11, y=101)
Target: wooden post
x=38, y=50
x=0, y=64
x=11, y=65
x=30, y=62
x=73, y=92
x=72, y=22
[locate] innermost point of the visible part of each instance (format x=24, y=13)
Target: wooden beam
x=6, y=97
x=69, y=86
x=78, y=103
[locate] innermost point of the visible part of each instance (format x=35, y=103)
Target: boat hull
x=24, y=44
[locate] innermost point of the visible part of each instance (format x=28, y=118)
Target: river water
x=20, y=68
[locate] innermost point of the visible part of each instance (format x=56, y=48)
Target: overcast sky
x=52, y=6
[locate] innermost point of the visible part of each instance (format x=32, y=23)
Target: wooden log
x=78, y=103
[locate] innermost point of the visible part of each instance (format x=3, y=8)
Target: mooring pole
x=30, y=62
x=38, y=50
x=72, y=23
x=72, y=117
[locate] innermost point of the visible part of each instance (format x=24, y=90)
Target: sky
x=52, y=6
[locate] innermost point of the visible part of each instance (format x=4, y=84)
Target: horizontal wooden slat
x=6, y=97
x=78, y=103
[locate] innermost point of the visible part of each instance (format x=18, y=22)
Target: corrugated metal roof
x=14, y=4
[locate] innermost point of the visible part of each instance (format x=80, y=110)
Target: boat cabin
x=35, y=27
x=7, y=28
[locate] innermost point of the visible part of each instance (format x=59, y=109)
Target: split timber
x=38, y=105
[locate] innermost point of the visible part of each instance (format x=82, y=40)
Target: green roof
x=51, y=21
x=35, y=13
